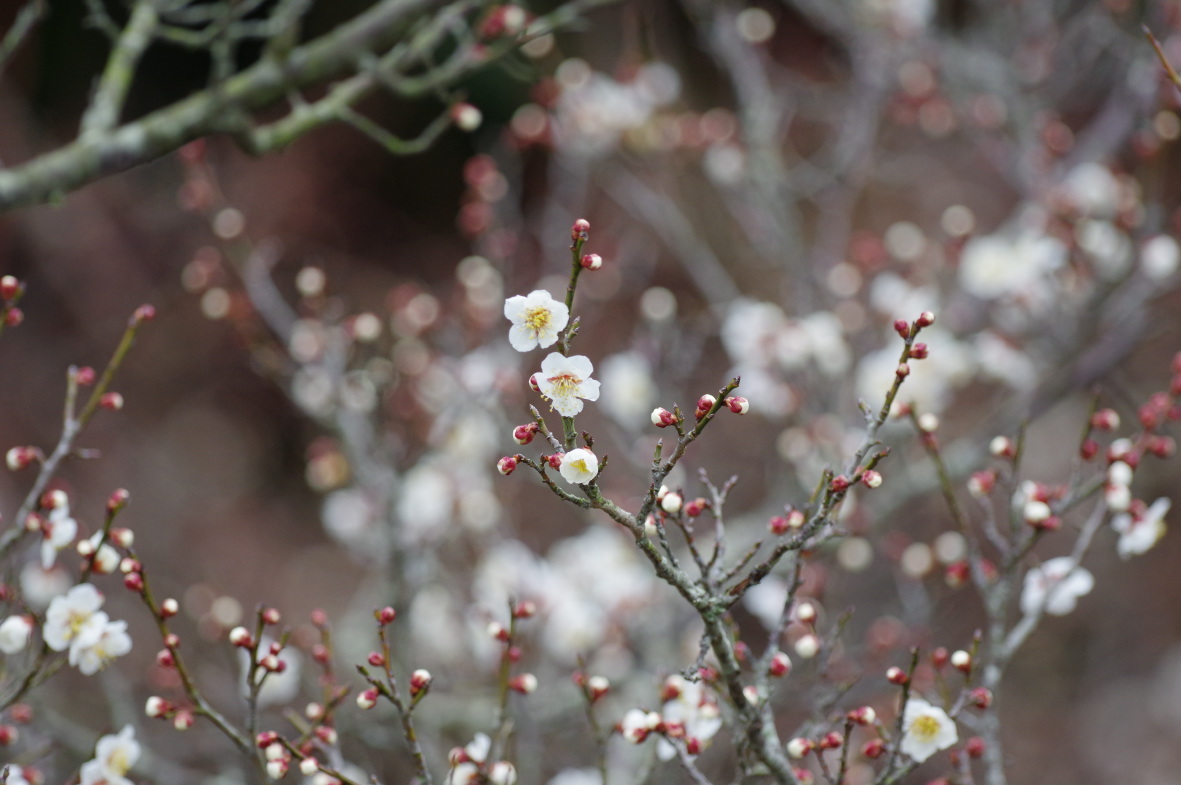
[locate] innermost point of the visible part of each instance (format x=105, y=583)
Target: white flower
x=58, y=531
x=1159, y=257
x=1055, y=587
x=114, y=755
x=106, y=558
x=537, y=319
x=1137, y=534
x=112, y=642
x=926, y=729
x=579, y=466
x=479, y=747
x=74, y=619
x=16, y=775
x=15, y=632
x=565, y=380
x=39, y=586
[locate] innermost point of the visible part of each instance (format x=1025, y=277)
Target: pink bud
x=871, y=479
x=420, y=680
x=592, y=261
x=780, y=664
x=926, y=319
x=831, y=741
x=169, y=608
x=863, y=715
x=778, y=525
x=523, y=434
x=981, y=697
x=919, y=351
x=839, y=484
x=134, y=581
x=902, y=327
x=122, y=536
x=386, y=615
x=506, y=465
x=738, y=404
x=534, y=383
x=144, y=313
x=241, y=638
x=902, y=371
x=799, y=747
x=975, y=747
x=84, y=376
x=580, y=230
x=524, y=684
x=896, y=675
x=367, y=699
x=271, y=616
x=172, y=640
x=376, y=659
x=9, y=287
x=662, y=418
x=695, y=507
x=525, y=610
x=704, y=404
x=1105, y=420
x=165, y=658
x=14, y=317
x=112, y=401
x=157, y=707
x=555, y=461
x=873, y=748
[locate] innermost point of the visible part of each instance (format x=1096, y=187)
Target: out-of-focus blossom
x=1092, y=189
x=1159, y=256
x=1055, y=586
x=1138, y=533
x=74, y=620
x=114, y=755
x=627, y=388
x=58, y=531
x=15, y=632
x=1016, y=262
x=694, y=709
x=112, y=641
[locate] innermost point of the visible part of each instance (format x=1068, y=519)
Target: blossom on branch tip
x=114, y=755
x=1138, y=533
x=926, y=729
x=537, y=319
x=579, y=466
x=566, y=382
x=662, y=418
x=1055, y=587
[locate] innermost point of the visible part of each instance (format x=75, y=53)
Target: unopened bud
x=112, y=401
x=928, y=423
x=9, y=287
x=981, y=697
x=386, y=615
x=926, y=319
x=695, y=507
x=466, y=117
x=134, y=581
x=169, y=608
x=873, y=748
x=592, y=261
x=662, y=418
x=902, y=327
x=157, y=707
x=506, y=465
x=1001, y=447
x=896, y=675
x=524, y=684
x=738, y=404
x=85, y=376
x=871, y=479
x=240, y=638
x=671, y=503
x=799, y=747
x=309, y=766
x=961, y=661
x=144, y=313
x=780, y=665
x=523, y=434
x=808, y=646
x=919, y=351
x=420, y=680
x=271, y=616
x=367, y=699
x=183, y=720
x=863, y=715
x=831, y=741
x=597, y=687
x=751, y=693
x=580, y=230
x=1105, y=420
x=902, y=371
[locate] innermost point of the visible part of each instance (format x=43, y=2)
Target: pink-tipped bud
x=662, y=418
x=320, y=618
x=525, y=610
x=974, y=747
x=808, y=646
x=169, y=608
x=926, y=319
x=751, y=693
x=778, y=525
x=241, y=638
x=19, y=458
x=980, y=484
x=9, y=287
x=523, y=434
x=524, y=684
x=376, y=659
x=534, y=383
x=183, y=720
x=981, y=697
x=172, y=640
x=385, y=615
x=961, y=661
x=271, y=616
x=871, y=479
x=497, y=631
x=863, y=715
x=738, y=404
x=134, y=581
x=327, y=734
x=780, y=665
x=144, y=313
x=1105, y=420
x=695, y=507
x=14, y=317
x=902, y=327
x=272, y=664
x=839, y=484
x=580, y=230
x=555, y=461
x=597, y=687
x=831, y=741
x=112, y=401
x=896, y=675
x=919, y=351
x=466, y=117
x=265, y=739
x=704, y=404
x=592, y=261
x=1001, y=447
x=420, y=681
x=118, y=499
x=128, y=565
x=367, y=699
x=873, y=749
x=157, y=708
x=309, y=766
x=902, y=371
x=506, y=465
x=799, y=747
x=122, y=536
x=165, y=658
x=940, y=657
x=85, y=376
x=796, y=519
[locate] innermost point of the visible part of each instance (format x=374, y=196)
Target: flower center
x=580, y=464
x=537, y=319
x=925, y=727
x=564, y=385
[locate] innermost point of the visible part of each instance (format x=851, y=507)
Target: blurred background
x=313, y=418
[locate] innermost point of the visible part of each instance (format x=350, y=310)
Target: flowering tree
x=837, y=583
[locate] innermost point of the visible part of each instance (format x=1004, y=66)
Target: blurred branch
x=103, y=149
x=26, y=20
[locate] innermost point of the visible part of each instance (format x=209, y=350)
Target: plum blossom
x=1055, y=587
x=74, y=619
x=537, y=319
x=579, y=466
x=1138, y=533
x=926, y=729
x=996, y=265
x=114, y=755
x=565, y=382
x=15, y=632
x=112, y=642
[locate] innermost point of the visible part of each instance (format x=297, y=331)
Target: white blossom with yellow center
x=566, y=382
x=537, y=319
x=579, y=466
x=926, y=729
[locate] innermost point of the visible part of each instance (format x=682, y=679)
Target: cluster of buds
x=159, y=708
x=670, y=501
x=791, y=521
x=638, y=724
